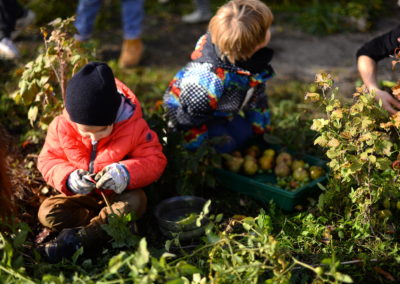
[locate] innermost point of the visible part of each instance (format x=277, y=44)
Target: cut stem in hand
x=91, y=179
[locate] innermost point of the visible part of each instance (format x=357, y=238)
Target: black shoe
x=64, y=246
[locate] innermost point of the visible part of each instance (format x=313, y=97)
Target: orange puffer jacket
x=131, y=143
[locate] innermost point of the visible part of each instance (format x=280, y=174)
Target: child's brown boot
x=131, y=53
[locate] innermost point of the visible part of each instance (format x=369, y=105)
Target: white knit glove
x=79, y=182
x=114, y=177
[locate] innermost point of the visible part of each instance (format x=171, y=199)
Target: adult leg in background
x=85, y=16
x=132, y=47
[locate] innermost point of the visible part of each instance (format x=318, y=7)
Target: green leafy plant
x=187, y=172
x=244, y=250
x=361, y=142
x=290, y=126
x=42, y=86
x=328, y=271
x=12, y=264
x=118, y=227
x=238, y=250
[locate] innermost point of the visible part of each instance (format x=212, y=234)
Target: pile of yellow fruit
x=290, y=172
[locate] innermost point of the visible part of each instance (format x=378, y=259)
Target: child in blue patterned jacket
x=221, y=92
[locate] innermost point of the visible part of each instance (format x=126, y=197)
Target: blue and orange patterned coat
x=209, y=88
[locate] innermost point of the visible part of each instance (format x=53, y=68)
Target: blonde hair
x=239, y=27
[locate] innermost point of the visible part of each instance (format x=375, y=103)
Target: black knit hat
x=92, y=96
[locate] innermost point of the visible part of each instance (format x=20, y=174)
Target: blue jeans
x=132, y=17
x=237, y=132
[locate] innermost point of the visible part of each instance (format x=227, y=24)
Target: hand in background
x=389, y=103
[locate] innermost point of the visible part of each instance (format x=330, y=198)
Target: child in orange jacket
x=99, y=143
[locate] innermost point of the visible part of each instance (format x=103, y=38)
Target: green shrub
x=42, y=85
x=361, y=143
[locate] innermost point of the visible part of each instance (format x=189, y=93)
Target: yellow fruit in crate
x=316, y=172
x=234, y=164
x=253, y=150
x=249, y=158
x=282, y=170
x=301, y=174
x=236, y=154
x=285, y=158
x=250, y=167
x=269, y=153
x=298, y=164
x=266, y=162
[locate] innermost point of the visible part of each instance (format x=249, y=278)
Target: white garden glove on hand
x=79, y=182
x=114, y=177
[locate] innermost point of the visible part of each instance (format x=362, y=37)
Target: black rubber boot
x=63, y=246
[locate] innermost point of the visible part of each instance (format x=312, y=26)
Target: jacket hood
x=206, y=52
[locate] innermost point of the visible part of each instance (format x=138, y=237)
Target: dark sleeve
x=381, y=46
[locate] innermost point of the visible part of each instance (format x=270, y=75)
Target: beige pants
x=89, y=211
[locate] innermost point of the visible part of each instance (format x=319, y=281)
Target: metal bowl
x=170, y=211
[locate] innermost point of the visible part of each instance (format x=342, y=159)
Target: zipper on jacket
x=92, y=156
x=249, y=94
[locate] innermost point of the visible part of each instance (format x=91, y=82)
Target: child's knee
x=56, y=213
x=136, y=201
x=46, y=214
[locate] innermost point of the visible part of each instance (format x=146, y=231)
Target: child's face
x=265, y=42
x=95, y=133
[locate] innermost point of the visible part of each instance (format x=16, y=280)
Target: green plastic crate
x=255, y=186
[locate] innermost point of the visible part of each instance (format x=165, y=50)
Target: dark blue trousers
x=236, y=132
